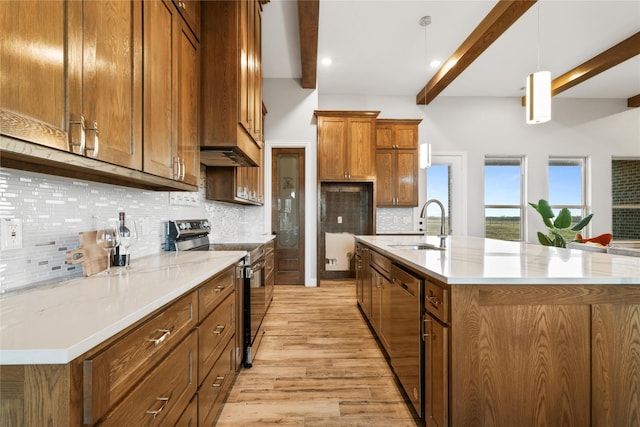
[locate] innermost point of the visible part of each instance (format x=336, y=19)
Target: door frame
x=310, y=176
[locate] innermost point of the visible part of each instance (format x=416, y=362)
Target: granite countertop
x=475, y=260
x=54, y=324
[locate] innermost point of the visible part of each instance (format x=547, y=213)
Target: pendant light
x=538, y=91
x=424, y=153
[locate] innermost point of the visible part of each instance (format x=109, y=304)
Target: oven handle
x=256, y=267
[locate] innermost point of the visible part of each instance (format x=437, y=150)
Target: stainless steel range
x=193, y=235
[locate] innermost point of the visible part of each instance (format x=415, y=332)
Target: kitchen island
x=516, y=333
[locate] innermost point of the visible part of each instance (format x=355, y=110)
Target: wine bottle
x=121, y=254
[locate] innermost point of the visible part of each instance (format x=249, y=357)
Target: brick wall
x=625, y=178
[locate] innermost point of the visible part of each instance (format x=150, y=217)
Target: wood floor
x=318, y=365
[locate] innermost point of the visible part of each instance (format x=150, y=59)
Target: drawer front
x=383, y=263
x=436, y=301
x=215, y=386
x=162, y=397
x=214, y=333
x=214, y=291
x=189, y=417
x=111, y=373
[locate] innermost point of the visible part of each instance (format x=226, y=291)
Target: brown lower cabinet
x=172, y=368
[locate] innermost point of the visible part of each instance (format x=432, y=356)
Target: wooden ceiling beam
x=497, y=21
x=308, y=17
x=611, y=57
x=634, y=101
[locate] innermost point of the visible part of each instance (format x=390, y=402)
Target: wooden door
x=384, y=136
x=112, y=81
x=436, y=373
x=332, y=140
x=406, y=177
x=361, y=148
x=34, y=108
x=385, y=184
x=160, y=156
x=288, y=216
x=188, y=132
x=406, y=136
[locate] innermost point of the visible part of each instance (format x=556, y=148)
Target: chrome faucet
x=423, y=214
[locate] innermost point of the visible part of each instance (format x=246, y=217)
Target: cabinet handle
x=184, y=170
x=96, y=143
x=82, y=135
x=181, y=4
x=218, y=383
x=165, y=334
x=424, y=328
x=219, y=288
x=434, y=300
x=218, y=330
x=164, y=401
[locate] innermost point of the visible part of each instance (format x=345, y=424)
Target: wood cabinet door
x=112, y=81
x=376, y=296
x=332, y=139
x=245, y=44
x=188, y=105
x=34, y=108
x=256, y=107
x=406, y=136
x=361, y=149
x=160, y=21
x=385, y=314
x=190, y=11
x=436, y=373
x=384, y=136
x=406, y=177
x=385, y=183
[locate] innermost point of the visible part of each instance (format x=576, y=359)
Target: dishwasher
x=406, y=336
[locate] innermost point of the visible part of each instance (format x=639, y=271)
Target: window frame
x=521, y=160
x=585, y=206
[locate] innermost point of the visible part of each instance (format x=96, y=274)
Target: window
x=504, y=198
x=625, y=183
x=438, y=187
x=567, y=188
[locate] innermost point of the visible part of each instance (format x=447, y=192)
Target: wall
x=595, y=128
x=54, y=210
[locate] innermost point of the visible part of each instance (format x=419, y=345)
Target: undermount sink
x=416, y=246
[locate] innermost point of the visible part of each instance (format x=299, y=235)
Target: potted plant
x=557, y=224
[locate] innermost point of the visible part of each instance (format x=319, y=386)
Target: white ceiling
x=378, y=46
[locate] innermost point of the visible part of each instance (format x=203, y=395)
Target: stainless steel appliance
x=193, y=235
x=406, y=336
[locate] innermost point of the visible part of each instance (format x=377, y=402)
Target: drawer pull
x=165, y=334
x=218, y=330
x=434, y=300
x=219, y=288
x=156, y=412
x=219, y=382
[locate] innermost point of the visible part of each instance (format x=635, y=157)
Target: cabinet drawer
x=111, y=373
x=214, y=291
x=383, y=263
x=214, y=388
x=162, y=396
x=214, y=332
x=436, y=301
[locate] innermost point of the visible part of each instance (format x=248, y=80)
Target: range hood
x=230, y=157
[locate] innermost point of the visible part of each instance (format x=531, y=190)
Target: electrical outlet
x=339, y=220
x=11, y=234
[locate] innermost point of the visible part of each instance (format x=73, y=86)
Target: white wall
x=597, y=129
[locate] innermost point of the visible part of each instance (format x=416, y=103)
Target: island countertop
x=477, y=261
x=54, y=324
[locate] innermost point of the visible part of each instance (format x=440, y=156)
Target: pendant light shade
x=425, y=156
x=538, y=97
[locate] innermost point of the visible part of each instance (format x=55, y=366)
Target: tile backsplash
x=53, y=210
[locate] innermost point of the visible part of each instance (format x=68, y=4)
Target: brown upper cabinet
x=83, y=94
x=69, y=45
x=190, y=11
x=231, y=83
x=346, y=145
x=397, y=162
x=171, y=100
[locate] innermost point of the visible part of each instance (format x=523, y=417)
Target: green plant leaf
x=564, y=219
x=558, y=239
x=582, y=224
x=547, y=222
x=534, y=206
x=544, y=239
x=545, y=209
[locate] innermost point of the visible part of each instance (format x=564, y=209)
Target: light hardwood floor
x=318, y=365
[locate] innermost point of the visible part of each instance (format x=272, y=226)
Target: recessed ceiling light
x=326, y=61
x=435, y=63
